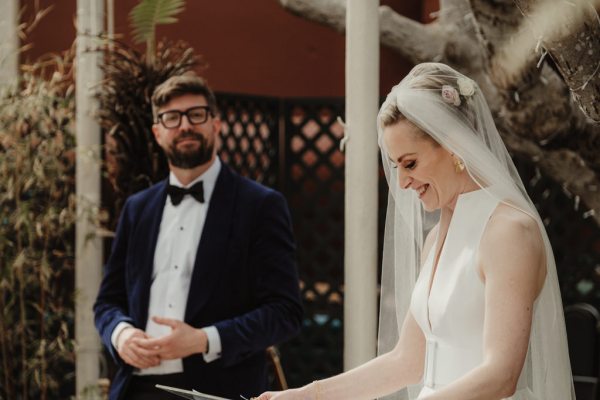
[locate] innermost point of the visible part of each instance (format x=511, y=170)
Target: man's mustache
x=189, y=135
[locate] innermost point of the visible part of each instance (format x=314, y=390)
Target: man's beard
x=190, y=158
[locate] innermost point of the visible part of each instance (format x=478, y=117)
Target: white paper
x=192, y=395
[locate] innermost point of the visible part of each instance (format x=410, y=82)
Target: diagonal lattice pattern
x=250, y=136
x=314, y=187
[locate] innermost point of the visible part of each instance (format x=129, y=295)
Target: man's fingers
x=161, y=347
x=167, y=347
x=166, y=321
x=147, y=351
x=150, y=353
x=153, y=344
x=163, y=352
x=138, y=357
x=132, y=358
x=144, y=362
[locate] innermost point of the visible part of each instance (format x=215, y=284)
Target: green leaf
x=147, y=14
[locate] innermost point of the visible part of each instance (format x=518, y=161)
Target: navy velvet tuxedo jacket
x=244, y=282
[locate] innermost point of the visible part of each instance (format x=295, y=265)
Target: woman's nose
x=404, y=180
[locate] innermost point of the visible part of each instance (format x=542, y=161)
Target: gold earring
x=459, y=166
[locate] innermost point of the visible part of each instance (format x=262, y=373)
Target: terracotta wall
x=251, y=46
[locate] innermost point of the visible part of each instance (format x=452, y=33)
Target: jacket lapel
x=146, y=237
x=214, y=242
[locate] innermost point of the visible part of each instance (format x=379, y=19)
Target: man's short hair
x=180, y=85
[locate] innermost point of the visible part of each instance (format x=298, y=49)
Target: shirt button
x=176, y=266
x=181, y=228
x=170, y=305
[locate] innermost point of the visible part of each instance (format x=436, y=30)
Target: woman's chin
x=428, y=205
x=428, y=208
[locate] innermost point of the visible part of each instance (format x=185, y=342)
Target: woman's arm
x=512, y=266
x=383, y=375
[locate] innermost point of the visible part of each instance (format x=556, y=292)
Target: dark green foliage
x=37, y=221
x=133, y=158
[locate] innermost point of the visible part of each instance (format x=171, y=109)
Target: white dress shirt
x=180, y=230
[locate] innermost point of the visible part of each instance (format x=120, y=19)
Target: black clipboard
x=189, y=394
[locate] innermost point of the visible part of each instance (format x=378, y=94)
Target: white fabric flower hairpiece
x=466, y=86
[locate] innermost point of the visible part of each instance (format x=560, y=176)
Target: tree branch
x=564, y=166
x=586, y=140
x=331, y=13
x=413, y=40
x=511, y=62
x=540, y=108
x=570, y=34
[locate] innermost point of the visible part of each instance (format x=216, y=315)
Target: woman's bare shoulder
x=512, y=242
x=511, y=223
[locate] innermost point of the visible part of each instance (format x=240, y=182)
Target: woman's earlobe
x=459, y=165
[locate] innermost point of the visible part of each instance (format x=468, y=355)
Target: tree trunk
x=527, y=56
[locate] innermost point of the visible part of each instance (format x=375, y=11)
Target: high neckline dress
x=451, y=316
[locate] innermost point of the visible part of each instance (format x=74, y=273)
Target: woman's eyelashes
x=406, y=165
x=410, y=164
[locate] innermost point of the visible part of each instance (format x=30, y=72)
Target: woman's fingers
x=265, y=396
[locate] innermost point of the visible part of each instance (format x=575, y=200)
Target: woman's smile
x=422, y=190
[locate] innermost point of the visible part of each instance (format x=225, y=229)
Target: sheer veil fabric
x=452, y=110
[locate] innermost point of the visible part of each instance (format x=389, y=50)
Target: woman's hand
x=292, y=394
x=266, y=396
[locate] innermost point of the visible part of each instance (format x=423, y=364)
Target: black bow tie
x=176, y=193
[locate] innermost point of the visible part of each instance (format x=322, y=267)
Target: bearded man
x=201, y=278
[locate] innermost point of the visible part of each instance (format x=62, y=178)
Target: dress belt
x=445, y=364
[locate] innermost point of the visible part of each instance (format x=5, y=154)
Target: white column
x=110, y=20
x=9, y=46
x=362, y=92
x=88, y=252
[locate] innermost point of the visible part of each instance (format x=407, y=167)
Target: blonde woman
x=471, y=307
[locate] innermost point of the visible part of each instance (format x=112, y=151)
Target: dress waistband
x=445, y=364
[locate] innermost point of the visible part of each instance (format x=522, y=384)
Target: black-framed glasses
x=172, y=118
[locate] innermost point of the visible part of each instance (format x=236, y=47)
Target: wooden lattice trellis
x=314, y=186
x=250, y=136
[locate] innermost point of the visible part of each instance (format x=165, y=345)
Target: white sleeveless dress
x=452, y=315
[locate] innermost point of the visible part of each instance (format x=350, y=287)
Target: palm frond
x=147, y=14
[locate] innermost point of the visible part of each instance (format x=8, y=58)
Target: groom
x=201, y=278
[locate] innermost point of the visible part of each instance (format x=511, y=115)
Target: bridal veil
x=452, y=110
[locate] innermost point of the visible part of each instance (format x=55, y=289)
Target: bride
x=484, y=320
